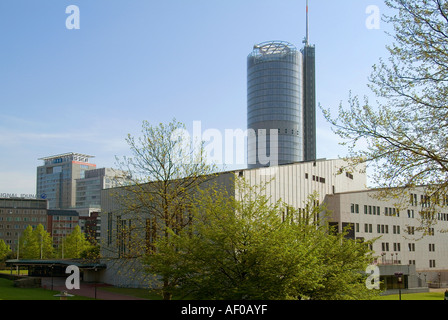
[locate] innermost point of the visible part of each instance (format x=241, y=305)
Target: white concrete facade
x=397, y=225
x=293, y=183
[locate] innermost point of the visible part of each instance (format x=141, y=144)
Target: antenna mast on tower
x=307, y=25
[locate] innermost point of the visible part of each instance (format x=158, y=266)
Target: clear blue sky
x=84, y=90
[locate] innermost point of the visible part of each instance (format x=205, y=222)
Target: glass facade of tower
x=274, y=101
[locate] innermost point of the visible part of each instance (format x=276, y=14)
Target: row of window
x=411, y=247
x=21, y=211
x=18, y=219
x=15, y=226
x=316, y=178
x=384, y=229
x=380, y=228
x=61, y=225
x=388, y=211
x=425, y=200
x=65, y=218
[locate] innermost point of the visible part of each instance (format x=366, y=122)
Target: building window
x=109, y=228
x=432, y=247
x=413, y=199
x=368, y=227
x=411, y=246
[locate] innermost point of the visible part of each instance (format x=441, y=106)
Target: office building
x=281, y=103
x=88, y=188
x=56, y=179
x=16, y=214
x=61, y=223
x=404, y=237
x=274, y=104
x=91, y=226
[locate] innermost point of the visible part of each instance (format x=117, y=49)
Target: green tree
x=5, y=250
x=244, y=247
x=166, y=168
x=35, y=243
x=75, y=244
x=403, y=135
x=28, y=248
x=44, y=242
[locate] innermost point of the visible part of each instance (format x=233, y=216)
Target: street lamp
x=95, y=281
x=52, y=266
x=399, y=276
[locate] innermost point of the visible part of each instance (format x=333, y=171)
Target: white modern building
x=292, y=183
x=405, y=234
x=394, y=224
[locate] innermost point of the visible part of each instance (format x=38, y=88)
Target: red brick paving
x=86, y=290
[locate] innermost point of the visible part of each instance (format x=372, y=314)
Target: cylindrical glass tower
x=274, y=102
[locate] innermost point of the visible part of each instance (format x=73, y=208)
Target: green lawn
x=415, y=296
x=9, y=292
x=14, y=272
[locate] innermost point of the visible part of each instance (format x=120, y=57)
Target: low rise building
x=407, y=229
x=17, y=213
x=61, y=223
x=292, y=183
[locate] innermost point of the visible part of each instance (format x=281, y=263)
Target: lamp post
x=52, y=266
x=399, y=276
x=95, y=282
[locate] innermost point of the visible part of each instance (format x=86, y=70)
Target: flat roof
x=61, y=212
x=66, y=155
x=78, y=263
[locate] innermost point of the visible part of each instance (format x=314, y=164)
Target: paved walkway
x=86, y=290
